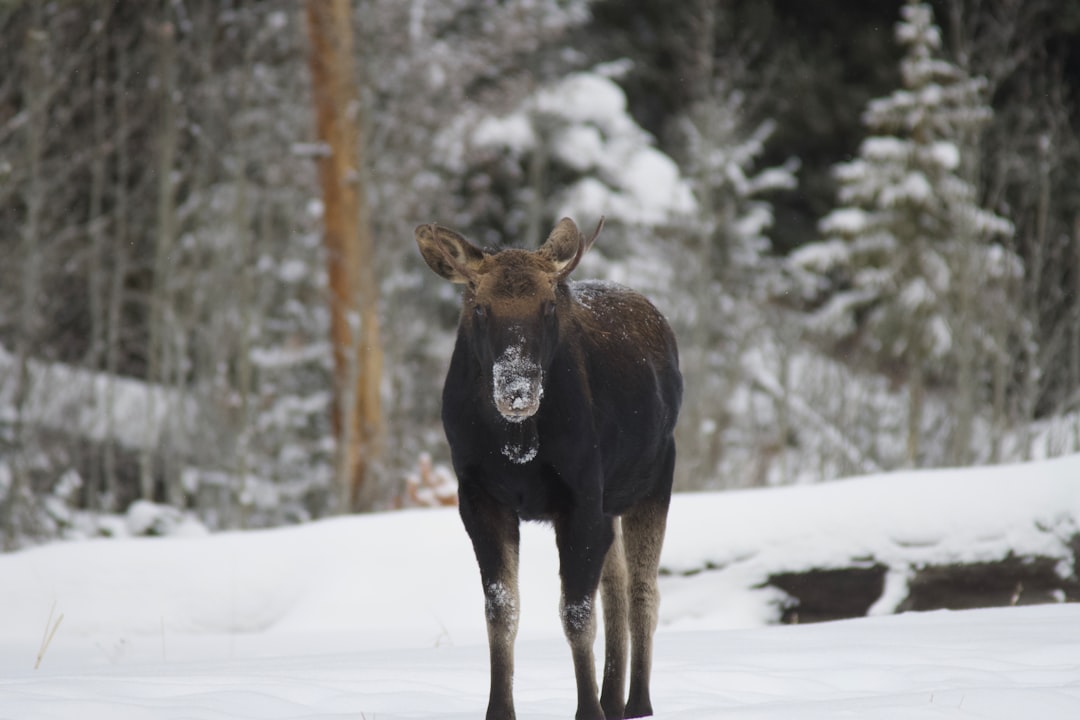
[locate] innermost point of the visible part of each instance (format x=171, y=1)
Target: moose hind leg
x=643, y=530
x=613, y=596
x=583, y=545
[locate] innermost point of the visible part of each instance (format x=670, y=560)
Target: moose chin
x=560, y=405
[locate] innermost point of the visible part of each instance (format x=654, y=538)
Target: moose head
x=512, y=306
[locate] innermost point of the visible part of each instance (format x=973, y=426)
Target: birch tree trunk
x=350, y=251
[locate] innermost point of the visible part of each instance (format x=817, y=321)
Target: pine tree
x=727, y=269
x=896, y=272
x=580, y=153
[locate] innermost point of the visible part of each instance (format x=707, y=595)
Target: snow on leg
x=583, y=540
x=495, y=535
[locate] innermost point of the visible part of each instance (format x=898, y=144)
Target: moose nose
x=517, y=385
x=519, y=401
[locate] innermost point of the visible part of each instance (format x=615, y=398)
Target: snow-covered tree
x=911, y=271
x=573, y=149
x=722, y=158
x=727, y=269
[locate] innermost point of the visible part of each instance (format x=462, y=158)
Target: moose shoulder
x=560, y=404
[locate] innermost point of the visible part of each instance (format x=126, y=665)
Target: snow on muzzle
x=517, y=384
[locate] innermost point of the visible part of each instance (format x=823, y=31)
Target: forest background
x=863, y=220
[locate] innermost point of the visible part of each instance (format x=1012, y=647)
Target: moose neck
x=521, y=441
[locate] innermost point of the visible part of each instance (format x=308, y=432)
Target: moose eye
x=549, y=310
x=480, y=313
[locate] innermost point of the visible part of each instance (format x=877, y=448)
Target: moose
x=559, y=406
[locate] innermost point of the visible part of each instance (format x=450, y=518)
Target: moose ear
x=449, y=254
x=566, y=245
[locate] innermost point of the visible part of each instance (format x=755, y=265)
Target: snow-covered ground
x=381, y=616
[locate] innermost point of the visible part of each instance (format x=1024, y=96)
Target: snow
x=383, y=615
x=92, y=405
x=513, y=131
x=916, y=295
x=499, y=599
x=999, y=263
x=904, y=520
x=946, y=154
x=584, y=122
x=822, y=256
x=913, y=188
x=277, y=358
x=885, y=148
x=517, y=383
x=520, y=454
x=587, y=97
x=775, y=178
x=147, y=518
x=588, y=197
x=918, y=25
x=653, y=182
x=590, y=293
x=579, y=147
x=845, y=221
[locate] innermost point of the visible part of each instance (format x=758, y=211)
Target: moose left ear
x=566, y=245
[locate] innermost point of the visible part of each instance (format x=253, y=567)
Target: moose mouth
x=517, y=385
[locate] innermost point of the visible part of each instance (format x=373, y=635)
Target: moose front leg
x=494, y=532
x=583, y=541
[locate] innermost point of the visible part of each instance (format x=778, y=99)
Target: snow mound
x=904, y=521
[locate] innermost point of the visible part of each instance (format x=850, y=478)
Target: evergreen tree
x=896, y=275
x=725, y=272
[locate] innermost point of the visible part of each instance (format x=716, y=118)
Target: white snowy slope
x=381, y=616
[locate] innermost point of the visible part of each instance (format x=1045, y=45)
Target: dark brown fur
x=560, y=405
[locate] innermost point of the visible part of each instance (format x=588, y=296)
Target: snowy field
x=381, y=616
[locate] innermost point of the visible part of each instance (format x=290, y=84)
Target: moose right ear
x=449, y=254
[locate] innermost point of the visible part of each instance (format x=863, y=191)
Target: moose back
x=560, y=405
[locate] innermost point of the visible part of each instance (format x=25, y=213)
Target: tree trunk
x=967, y=277
x=1074, y=340
x=916, y=397
x=97, y=286
x=157, y=351
x=29, y=257
x=350, y=251
x=116, y=280
x=1035, y=351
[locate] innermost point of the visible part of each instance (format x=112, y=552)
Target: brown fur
x=588, y=419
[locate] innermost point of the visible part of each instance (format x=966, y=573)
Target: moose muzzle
x=517, y=384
